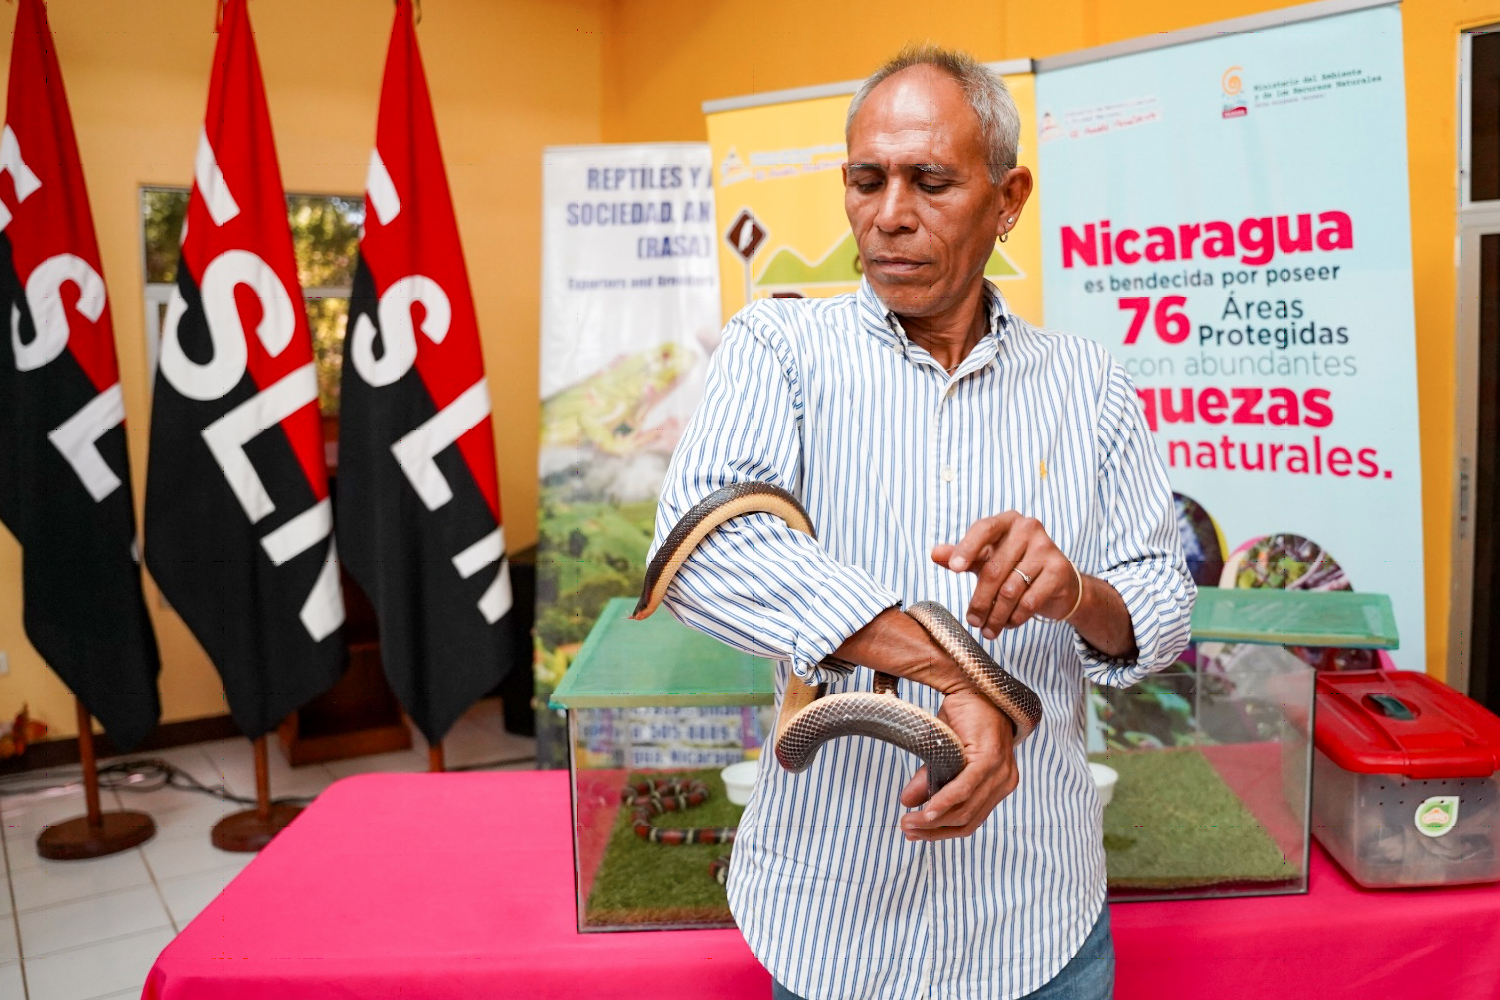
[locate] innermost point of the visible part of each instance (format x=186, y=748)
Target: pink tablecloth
x=454, y=887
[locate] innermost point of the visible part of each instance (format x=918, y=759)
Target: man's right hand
x=989, y=774
x=895, y=644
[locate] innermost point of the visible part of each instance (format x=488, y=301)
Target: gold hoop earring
x=1004, y=236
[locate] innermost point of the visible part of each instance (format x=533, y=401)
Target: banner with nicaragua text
x=239, y=520
x=630, y=313
x=1229, y=217
x=782, y=230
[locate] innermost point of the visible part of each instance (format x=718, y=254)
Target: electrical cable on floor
x=490, y=764
x=152, y=773
x=149, y=774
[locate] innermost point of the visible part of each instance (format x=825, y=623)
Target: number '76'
x=1172, y=324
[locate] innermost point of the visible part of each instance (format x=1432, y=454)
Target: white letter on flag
x=397, y=334
x=490, y=549
x=223, y=371
x=78, y=440
x=211, y=184
x=417, y=448
x=20, y=174
x=382, y=190
x=323, y=611
x=228, y=435
x=44, y=298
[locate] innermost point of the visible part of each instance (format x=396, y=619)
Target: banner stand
x=97, y=833
x=252, y=829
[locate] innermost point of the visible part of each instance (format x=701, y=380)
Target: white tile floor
x=89, y=930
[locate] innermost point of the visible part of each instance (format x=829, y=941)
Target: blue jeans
x=1089, y=975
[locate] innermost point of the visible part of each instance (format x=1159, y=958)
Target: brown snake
x=807, y=719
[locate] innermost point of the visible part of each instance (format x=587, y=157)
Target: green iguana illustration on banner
x=608, y=410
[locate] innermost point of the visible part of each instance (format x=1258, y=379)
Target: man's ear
x=1015, y=189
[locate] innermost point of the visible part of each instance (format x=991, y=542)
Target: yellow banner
x=780, y=205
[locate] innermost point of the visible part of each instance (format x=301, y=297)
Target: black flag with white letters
x=239, y=521
x=418, y=499
x=64, y=472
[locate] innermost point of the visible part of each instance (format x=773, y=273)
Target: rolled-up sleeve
x=1142, y=549
x=755, y=583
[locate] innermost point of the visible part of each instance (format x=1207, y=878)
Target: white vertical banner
x=630, y=313
x=1229, y=217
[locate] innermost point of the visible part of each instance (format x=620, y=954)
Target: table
x=458, y=886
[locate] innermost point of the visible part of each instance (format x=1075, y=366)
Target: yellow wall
x=511, y=76
x=508, y=77
x=663, y=58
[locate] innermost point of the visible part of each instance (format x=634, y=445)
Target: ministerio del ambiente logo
x=1232, y=85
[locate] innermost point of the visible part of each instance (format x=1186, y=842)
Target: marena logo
x=1230, y=83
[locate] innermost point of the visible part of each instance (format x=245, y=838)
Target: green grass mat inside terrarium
x=639, y=882
x=1174, y=824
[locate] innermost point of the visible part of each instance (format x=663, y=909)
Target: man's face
x=918, y=193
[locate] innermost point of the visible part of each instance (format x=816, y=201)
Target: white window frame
x=1476, y=220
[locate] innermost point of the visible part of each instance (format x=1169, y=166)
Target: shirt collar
x=883, y=324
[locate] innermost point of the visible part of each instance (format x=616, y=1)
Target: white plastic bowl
x=739, y=779
x=1104, y=780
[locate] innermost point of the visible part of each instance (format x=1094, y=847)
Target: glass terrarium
x=1213, y=755
x=656, y=712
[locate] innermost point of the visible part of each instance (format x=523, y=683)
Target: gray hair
x=999, y=121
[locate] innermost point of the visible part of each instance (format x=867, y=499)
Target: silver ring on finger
x=1019, y=572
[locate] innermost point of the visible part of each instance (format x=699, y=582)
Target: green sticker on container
x=1437, y=815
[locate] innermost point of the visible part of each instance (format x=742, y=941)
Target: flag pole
x=251, y=829
x=97, y=833
x=435, y=762
x=262, y=782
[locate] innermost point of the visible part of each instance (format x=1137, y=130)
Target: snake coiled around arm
x=807, y=719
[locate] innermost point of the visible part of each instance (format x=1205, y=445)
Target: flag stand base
x=252, y=829
x=98, y=833
x=78, y=839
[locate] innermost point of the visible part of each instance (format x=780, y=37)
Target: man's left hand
x=1021, y=572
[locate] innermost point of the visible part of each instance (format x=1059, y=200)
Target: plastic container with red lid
x=1406, y=780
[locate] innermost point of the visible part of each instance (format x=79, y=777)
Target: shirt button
x=948, y=474
x=953, y=390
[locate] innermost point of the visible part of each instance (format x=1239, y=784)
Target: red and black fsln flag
x=64, y=473
x=418, y=501
x=239, y=520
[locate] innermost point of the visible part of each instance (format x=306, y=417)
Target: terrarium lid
x=659, y=662
x=1343, y=619
x=1404, y=722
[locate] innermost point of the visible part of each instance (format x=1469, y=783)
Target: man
x=946, y=450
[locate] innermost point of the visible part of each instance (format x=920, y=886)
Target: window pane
x=162, y=212
x=327, y=318
x=1484, y=118
x=325, y=235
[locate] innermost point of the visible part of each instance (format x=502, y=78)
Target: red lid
x=1402, y=722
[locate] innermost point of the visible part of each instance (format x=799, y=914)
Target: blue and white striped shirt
x=830, y=400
